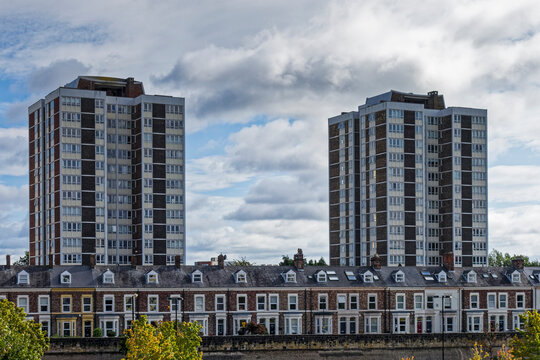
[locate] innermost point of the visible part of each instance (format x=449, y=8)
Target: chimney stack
x=221, y=260
x=448, y=261
x=518, y=263
x=92, y=261
x=299, y=260
x=134, y=261
x=8, y=261
x=177, y=262
x=376, y=262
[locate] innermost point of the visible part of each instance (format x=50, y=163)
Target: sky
x=260, y=79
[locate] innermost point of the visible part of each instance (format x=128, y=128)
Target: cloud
x=14, y=223
x=58, y=73
x=14, y=151
x=514, y=184
x=237, y=60
x=260, y=241
x=515, y=230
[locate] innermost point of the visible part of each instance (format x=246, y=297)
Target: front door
x=87, y=328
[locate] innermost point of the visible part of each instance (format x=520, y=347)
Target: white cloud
x=13, y=220
x=515, y=230
x=514, y=184
x=14, y=151
x=236, y=60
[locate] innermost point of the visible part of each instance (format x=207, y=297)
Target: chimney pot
x=8, y=261
x=518, y=263
x=177, y=262
x=92, y=262
x=376, y=262
x=299, y=260
x=448, y=261
x=221, y=260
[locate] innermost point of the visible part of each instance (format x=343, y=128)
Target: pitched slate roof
x=260, y=276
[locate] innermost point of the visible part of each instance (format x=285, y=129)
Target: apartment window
x=153, y=303
x=323, y=325
x=400, y=324
x=518, y=322
x=293, y=302
x=220, y=302
x=372, y=301
x=503, y=301
x=108, y=303
x=418, y=301
x=199, y=303
x=292, y=325
x=371, y=325
x=273, y=302
x=22, y=302
x=400, y=301
x=43, y=304
x=491, y=300
x=175, y=301
x=241, y=303
x=474, y=301
x=66, y=304
x=520, y=301
x=261, y=302
x=429, y=302
x=128, y=303
x=353, y=302
x=323, y=302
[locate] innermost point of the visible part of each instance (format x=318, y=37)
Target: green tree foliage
x=164, y=342
x=23, y=260
x=240, y=262
x=497, y=258
x=320, y=262
x=20, y=339
x=526, y=345
x=286, y=261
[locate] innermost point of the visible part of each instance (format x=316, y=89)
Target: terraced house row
x=74, y=300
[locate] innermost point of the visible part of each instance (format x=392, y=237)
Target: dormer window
x=108, y=277
x=367, y=277
x=152, y=277
x=471, y=277
x=65, y=277
x=289, y=276
x=321, y=276
x=241, y=277
x=23, y=278
x=196, y=277
x=516, y=277
x=399, y=276
x=441, y=277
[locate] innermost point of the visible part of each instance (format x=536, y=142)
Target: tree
x=321, y=262
x=527, y=344
x=286, y=261
x=497, y=258
x=20, y=339
x=241, y=262
x=163, y=342
x=23, y=260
